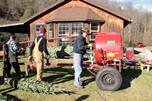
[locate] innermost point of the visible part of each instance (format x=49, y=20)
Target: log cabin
x=68, y=17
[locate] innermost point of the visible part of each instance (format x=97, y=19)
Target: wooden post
x=28, y=39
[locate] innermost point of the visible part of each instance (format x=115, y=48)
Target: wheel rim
x=108, y=79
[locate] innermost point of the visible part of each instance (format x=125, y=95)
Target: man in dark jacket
x=79, y=48
x=39, y=45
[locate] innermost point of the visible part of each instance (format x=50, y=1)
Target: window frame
x=68, y=41
x=51, y=32
x=35, y=29
x=90, y=39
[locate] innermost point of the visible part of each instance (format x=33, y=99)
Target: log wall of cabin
x=112, y=23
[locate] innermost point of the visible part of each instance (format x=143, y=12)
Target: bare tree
x=138, y=28
x=148, y=35
x=39, y=5
x=3, y=8
x=15, y=9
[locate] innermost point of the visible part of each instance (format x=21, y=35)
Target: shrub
x=29, y=11
x=1, y=41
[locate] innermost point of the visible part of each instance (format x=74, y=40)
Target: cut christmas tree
x=31, y=85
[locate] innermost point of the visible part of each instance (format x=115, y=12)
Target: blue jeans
x=78, y=65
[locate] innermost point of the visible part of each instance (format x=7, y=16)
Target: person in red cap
x=39, y=45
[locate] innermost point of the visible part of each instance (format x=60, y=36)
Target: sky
x=147, y=4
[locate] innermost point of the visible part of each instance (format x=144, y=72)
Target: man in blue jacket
x=79, y=48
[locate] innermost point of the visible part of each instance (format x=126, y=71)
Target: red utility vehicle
x=140, y=45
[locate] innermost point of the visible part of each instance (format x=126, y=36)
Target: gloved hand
x=30, y=58
x=48, y=56
x=22, y=49
x=89, y=45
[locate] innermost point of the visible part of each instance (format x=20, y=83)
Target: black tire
x=109, y=79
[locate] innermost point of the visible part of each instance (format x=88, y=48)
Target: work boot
x=8, y=81
x=78, y=86
x=5, y=79
x=81, y=83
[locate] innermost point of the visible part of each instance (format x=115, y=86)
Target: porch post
x=28, y=39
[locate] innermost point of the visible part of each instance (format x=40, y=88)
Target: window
x=94, y=27
x=67, y=29
x=50, y=31
x=63, y=30
x=76, y=27
x=37, y=26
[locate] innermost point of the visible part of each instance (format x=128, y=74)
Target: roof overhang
x=74, y=14
x=15, y=28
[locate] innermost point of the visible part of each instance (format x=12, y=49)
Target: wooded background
x=12, y=11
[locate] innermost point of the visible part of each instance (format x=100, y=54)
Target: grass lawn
x=136, y=86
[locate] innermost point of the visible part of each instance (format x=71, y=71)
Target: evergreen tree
x=29, y=11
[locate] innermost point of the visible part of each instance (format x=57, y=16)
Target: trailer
x=108, y=55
